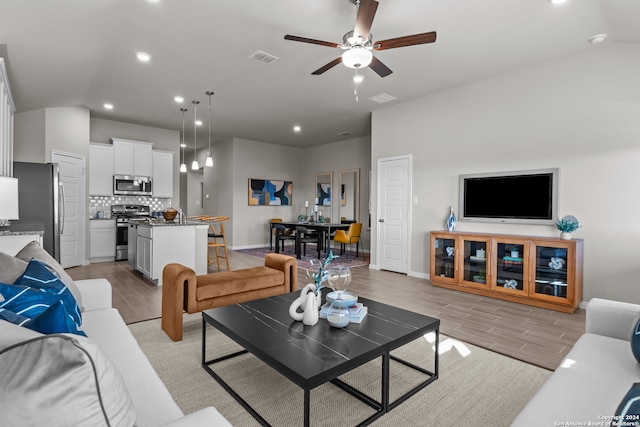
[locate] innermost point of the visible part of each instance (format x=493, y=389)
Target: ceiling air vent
x=382, y=98
x=263, y=57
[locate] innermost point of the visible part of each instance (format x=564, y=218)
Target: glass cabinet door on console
x=443, y=257
x=474, y=261
x=511, y=270
x=553, y=271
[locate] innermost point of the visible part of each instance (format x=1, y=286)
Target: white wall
x=579, y=114
x=252, y=159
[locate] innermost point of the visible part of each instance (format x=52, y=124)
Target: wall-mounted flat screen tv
x=521, y=197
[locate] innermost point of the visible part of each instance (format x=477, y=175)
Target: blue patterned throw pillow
x=635, y=340
x=38, y=300
x=628, y=412
x=38, y=276
x=53, y=320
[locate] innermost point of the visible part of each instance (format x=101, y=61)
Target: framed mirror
x=324, y=187
x=349, y=205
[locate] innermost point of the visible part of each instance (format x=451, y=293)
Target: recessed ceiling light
x=108, y=106
x=557, y=1
x=199, y=122
x=178, y=99
x=297, y=128
x=598, y=38
x=143, y=56
x=358, y=78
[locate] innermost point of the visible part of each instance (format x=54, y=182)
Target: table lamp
x=8, y=200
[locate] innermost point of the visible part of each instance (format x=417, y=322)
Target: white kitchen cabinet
x=162, y=174
x=12, y=243
x=103, y=240
x=132, y=250
x=100, y=169
x=144, y=251
x=133, y=158
x=159, y=245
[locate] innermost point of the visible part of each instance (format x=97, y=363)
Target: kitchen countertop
x=22, y=229
x=162, y=223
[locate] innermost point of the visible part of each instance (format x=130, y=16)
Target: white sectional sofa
x=590, y=383
x=150, y=402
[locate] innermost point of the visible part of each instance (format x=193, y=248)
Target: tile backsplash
x=103, y=203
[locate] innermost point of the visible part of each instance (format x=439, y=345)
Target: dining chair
x=218, y=240
x=351, y=236
x=305, y=235
x=282, y=234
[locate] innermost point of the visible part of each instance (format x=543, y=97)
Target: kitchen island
x=154, y=244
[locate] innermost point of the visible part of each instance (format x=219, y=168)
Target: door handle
x=61, y=209
x=381, y=220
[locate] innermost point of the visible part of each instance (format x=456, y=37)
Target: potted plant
x=567, y=225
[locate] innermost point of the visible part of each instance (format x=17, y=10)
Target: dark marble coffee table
x=313, y=355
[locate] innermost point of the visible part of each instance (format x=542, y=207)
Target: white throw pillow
x=59, y=380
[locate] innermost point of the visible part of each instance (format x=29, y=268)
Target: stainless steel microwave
x=132, y=185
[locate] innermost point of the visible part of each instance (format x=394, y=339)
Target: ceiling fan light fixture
x=357, y=57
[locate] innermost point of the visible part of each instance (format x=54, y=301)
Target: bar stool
x=218, y=240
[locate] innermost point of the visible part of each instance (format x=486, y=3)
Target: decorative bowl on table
x=169, y=214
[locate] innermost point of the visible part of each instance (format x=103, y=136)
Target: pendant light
x=209, y=161
x=183, y=166
x=194, y=165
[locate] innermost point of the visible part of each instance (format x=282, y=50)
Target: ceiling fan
x=358, y=43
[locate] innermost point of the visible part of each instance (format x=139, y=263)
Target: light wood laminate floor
x=538, y=336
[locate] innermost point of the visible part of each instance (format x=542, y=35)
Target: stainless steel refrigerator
x=40, y=200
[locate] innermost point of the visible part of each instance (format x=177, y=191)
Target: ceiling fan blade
x=406, y=41
x=311, y=41
x=381, y=69
x=364, y=20
x=327, y=66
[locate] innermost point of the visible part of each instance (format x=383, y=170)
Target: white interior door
x=394, y=190
x=72, y=236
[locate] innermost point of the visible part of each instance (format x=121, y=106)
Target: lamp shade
x=357, y=57
x=8, y=198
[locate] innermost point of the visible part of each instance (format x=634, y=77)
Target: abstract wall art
x=270, y=192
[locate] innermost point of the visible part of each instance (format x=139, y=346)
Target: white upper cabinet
x=100, y=169
x=162, y=174
x=132, y=157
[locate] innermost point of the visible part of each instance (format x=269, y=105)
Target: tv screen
x=528, y=197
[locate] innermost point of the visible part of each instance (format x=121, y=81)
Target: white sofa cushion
x=152, y=402
x=59, y=380
x=595, y=362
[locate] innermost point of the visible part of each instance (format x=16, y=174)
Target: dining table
x=325, y=230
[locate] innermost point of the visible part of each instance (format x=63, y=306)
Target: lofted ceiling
x=82, y=53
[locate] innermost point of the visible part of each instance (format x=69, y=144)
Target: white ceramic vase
x=565, y=235
x=309, y=303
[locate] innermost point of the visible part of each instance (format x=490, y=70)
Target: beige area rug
x=475, y=387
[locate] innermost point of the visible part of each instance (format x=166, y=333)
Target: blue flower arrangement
x=321, y=276
x=567, y=225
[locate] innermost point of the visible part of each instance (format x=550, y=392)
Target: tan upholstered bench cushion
x=238, y=281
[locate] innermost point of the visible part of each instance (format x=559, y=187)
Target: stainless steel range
x=122, y=214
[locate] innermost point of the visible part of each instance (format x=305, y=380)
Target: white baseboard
x=239, y=248
x=418, y=275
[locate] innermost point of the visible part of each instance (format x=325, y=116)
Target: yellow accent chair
x=351, y=236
